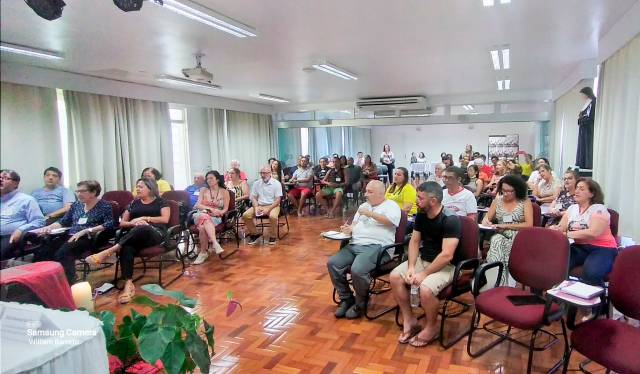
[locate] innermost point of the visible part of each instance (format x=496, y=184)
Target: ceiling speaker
x=47, y=9
x=128, y=5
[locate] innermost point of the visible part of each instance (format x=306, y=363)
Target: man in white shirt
x=266, y=194
x=302, y=185
x=373, y=227
x=456, y=198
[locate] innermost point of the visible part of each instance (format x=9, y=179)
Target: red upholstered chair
x=157, y=253
x=611, y=343
x=123, y=198
x=537, y=215
x=539, y=259
x=379, y=281
x=467, y=260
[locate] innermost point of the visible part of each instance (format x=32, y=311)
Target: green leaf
x=124, y=329
x=208, y=332
x=174, y=356
x=155, y=335
x=139, y=321
x=154, y=289
x=229, y=295
x=125, y=348
x=108, y=321
x=188, y=365
x=199, y=351
x=144, y=300
x=177, y=295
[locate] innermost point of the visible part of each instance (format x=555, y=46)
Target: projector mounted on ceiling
x=198, y=74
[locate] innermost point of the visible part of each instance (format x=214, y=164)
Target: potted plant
x=172, y=337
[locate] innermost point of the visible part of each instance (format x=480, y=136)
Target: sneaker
x=355, y=311
x=344, y=306
x=272, y=241
x=202, y=257
x=217, y=248
x=253, y=239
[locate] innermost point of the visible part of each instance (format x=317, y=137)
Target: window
x=64, y=140
x=304, y=140
x=180, y=142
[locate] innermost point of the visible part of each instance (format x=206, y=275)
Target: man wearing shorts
x=303, y=183
x=435, y=237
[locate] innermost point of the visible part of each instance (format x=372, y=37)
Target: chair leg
x=532, y=342
x=378, y=314
x=475, y=321
x=444, y=316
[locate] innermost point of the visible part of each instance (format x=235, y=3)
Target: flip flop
x=405, y=337
x=96, y=259
x=126, y=295
x=418, y=342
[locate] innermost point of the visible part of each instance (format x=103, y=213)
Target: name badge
x=7, y=212
x=338, y=179
x=197, y=193
x=507, y=218
x=82, y=221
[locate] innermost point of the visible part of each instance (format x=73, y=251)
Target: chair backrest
x=539, y=257
x=115, y=211
x=182, y=197
x=468, y=244
x=174, y=216
x=123, y=198
x=614, y=220
x=232, y=200
x=537, y=215
x=624, y=280
x=401, y=230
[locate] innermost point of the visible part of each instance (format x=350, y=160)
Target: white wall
x=450, y=138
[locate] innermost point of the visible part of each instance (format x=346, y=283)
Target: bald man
x=266, y=194
x=373, y=227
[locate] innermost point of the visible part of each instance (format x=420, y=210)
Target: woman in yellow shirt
x=153, y=173
x=402, y=192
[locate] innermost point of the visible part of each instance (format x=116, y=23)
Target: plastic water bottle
x=415, y=296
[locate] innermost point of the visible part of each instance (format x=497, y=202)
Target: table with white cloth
x=34, y=339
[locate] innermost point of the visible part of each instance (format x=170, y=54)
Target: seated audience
x=369, y=171
x=494, y=163
x=145, y=222
x=548, y=187
x=458, y=199
x=475, y=184
x=276, y=171
x=500, y=172
x=587, y=222
x=534, y=178
x=19, y=213
x=194, y=189
x=527, y=165
x=447, y=162
x=359, y=161
x=430, y=264
x=353, y=173
x=373, y=226
x=510, y=211
x=565, y=199
x=54, y=199
x=87, y=217
x=266, y=194
x=437, y=176
x=235, y=164
x=212, y=205
x=321, y=169
x=240, y=189
x=153, y=173
x=332, y=186
x=302, y=186
x=464, y=161
x=486, y=171
x=402, y=192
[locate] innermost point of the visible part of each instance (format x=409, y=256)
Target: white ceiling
x=428, y=47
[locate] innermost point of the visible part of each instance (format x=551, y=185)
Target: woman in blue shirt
x=87, y=217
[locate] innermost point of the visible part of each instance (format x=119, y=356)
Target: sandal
x=405, y=337
x=418, y=342
x=97, y=258
x=127, y=293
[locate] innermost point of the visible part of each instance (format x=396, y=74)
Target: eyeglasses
x=79, y=191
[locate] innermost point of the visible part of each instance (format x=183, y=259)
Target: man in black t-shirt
x=433, y=244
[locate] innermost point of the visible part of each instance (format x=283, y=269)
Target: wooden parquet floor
x=287, y=323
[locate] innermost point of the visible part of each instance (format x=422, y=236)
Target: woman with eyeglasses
x=510, y=211
x=86, y=217
x=212, y=205
x=240, y=189
x=565, y=198
x=146, y=220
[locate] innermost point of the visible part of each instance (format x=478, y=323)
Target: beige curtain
x=29, y=132
x=111, y=139
x=617, y=136
x=249, y=140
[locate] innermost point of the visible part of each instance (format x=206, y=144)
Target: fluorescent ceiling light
x=505, y=58
x=186, y=82
x=487, y=2
x=507, y=84
x=468, y=107
x=500, y=88
x=207, y=16
x=334, y=70
x=33, y=52
x=495, y=59
x=273, y=98
x=505, y=1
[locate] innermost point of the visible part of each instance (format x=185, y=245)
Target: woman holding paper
x=86, y=218
x=587, y=223
x=510, y=211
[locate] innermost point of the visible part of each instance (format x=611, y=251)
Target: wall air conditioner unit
x=392, y=103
